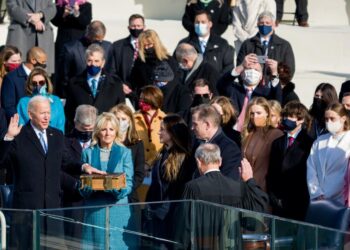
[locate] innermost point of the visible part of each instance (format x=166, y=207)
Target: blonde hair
x=228, y=112
x=248, y=126
x=275, y=107
x=132, y=134
x=101, y=121
x=159, y=49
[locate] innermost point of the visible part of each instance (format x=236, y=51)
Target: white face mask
x=201, y=29
x=123, y=126
x=251, y=77
x=334, y=127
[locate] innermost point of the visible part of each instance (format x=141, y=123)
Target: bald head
x=36, y=57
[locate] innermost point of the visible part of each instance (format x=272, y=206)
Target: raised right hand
x=14, y=129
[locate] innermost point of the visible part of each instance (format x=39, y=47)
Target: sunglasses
x=41, y=83
x=202, y=95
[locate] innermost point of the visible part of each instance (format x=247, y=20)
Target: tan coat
x=152, y=145
x=257, y=151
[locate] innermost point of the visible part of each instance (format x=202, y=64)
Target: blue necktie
x=203, y=45
x=42, y=141
x=94, y=87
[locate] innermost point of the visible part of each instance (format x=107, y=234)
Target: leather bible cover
x=103, y=182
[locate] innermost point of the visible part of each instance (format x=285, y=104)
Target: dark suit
x=121, y=59
x=278, y=49
x=236, y=91
x=3, y=123
x=213, y=223
x=37, y=178
x=109, y=94
x=217, y=52
x=286, y=178
x=176, y=97
x=201, y=69
x=217, y=188
x=13, y=89
x=230, y=154
x=73, y=62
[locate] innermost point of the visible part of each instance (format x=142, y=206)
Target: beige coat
x=151, y=144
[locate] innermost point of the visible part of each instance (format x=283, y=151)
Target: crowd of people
x=177, y=124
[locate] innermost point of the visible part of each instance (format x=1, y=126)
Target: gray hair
x=208, y=153
x=207, y=112
x=34, y=100
x=96, y=29
x=266, y=14
x=85, y=115
x=94, y=48
x=185, y=50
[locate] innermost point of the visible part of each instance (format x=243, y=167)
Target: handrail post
x=3, y=230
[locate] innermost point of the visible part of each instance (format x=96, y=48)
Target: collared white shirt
x=89, y=80
x=133, y=40
x=212, y=170
x=38, y=131
x=26, y=69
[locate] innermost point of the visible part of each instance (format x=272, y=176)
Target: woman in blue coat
x=39, y=83
x=107, y=154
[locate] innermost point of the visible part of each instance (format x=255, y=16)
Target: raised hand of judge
x=246, y=170
x=14, y=128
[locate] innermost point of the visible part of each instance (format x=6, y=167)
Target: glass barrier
x=163, y=225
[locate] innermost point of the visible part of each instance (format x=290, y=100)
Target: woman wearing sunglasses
x=39, y=83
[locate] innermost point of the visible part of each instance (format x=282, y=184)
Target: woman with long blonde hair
x=257, y=137
x=151, y=53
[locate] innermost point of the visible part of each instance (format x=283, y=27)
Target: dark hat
x=163, y=73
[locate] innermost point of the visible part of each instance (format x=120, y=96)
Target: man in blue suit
x=13, y=86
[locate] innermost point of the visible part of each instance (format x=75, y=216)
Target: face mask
x=123, y=126
x=40, y=90
x=83, y=136
x=11, y=66
x=334, y=127
x=144, y=107
x=93, y=70
x=205, y=2
x=251, y=77
x=41, y=65
x=200, y=99
x=201, y=29
x=135, y=32
x=289, y=125
x=259, y=122
x=150, y=52
x=160, y=84
x=318, y=108
x=265, y=29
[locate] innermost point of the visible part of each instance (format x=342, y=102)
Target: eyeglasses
x=41, y=82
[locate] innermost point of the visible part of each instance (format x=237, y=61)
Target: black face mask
x=348, y=112
x=289, y=125
x=200, y=99
x=83, y=136
x=40, y=65
x=318, y=108
x=135, y=32
x=150, y=53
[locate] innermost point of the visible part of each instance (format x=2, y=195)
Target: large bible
x=103, y=182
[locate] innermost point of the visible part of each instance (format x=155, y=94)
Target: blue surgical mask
x=93, y=70
x=265, y=29
x=201, y=29
x=40, y=90
x=160, y=84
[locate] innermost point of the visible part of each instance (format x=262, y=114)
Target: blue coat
x=120, y=160
x=57, y=119
x=13, y=89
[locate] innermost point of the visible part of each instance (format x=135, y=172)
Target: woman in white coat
x=245, y=18
x=329, y=156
